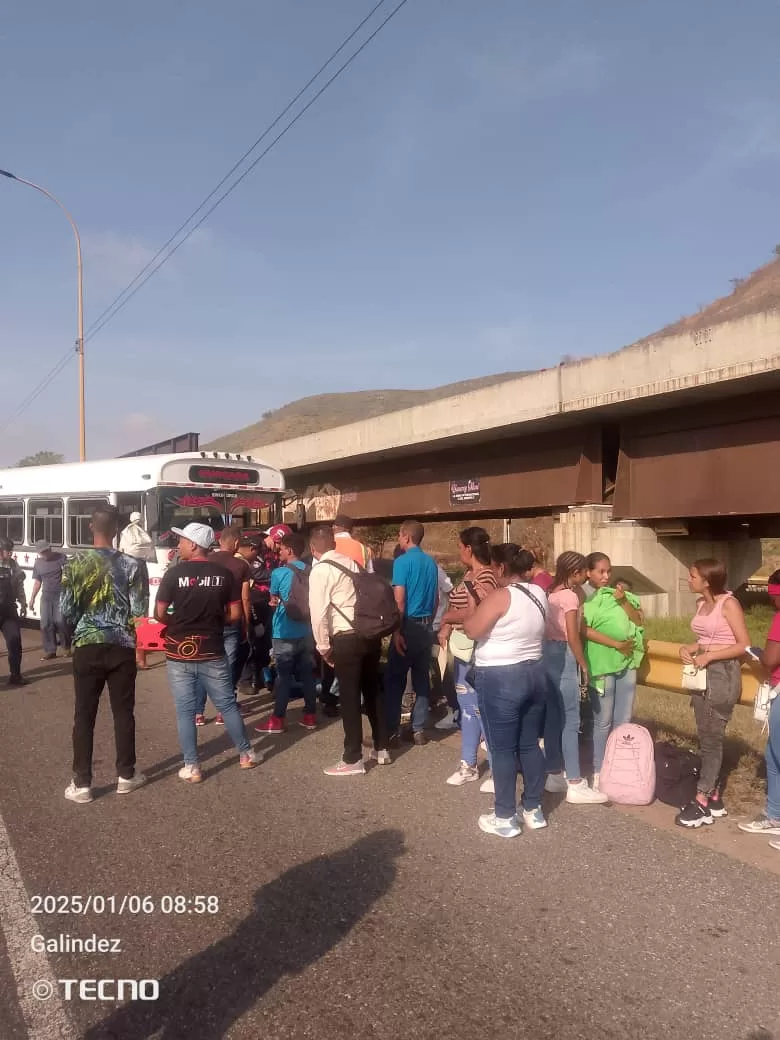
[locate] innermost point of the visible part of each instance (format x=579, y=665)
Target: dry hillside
x=323, y=411
x=752, y=295
x=755, y=294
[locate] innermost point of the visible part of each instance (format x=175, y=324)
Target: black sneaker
x=693, y=815
x=716, y=806
x=16, y=680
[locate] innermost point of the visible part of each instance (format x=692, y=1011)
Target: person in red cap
x=267, y=562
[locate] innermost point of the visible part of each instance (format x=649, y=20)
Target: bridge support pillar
x=656, y=566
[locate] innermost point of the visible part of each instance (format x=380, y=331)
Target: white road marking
x=45, y=1019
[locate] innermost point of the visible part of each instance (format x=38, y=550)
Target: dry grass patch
x=669, y=716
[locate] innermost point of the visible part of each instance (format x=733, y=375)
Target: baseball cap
x=42, y=545
x=200, y=534
x=278, y=531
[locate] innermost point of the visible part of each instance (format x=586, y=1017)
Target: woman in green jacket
x=614, y=651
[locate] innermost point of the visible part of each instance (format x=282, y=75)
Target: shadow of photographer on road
x=296, y=920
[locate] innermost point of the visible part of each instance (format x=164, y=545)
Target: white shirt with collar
x=330, y=588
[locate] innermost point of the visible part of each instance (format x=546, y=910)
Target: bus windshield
x=178, y=507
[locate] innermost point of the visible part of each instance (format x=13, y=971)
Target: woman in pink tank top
x=721, y=639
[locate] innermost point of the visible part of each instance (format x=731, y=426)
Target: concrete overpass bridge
x=664, y=451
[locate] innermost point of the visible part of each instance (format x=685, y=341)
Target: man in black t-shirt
x=204, y=597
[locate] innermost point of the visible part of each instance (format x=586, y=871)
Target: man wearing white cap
x=205, y=597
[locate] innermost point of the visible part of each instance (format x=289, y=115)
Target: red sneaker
x=308, y=722
x=271, y=725
x=219, y=720
x=200, y=720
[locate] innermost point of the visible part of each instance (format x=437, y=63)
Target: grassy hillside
x=323, y=411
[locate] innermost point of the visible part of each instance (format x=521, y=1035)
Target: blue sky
x=489, y=187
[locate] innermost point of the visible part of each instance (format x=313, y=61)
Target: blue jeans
x=417, y=658
x=772, y=756
x=232, y=638
x=187, y=679
x=52, y=624
x=471, y=730
x=511, y=700
x=294, y=660
x=563, y=709
x=611, y=708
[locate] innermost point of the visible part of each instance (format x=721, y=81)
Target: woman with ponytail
x=478, y=582
x=508, y=626
x=564, y=661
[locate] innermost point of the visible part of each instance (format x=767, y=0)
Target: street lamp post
x=80, y=340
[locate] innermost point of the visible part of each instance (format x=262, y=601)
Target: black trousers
x=356, y=662
x=94, y=667
x=12, y=634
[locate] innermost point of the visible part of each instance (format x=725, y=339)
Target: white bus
x=55, y=503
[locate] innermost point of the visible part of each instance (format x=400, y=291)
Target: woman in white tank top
x=508, y=627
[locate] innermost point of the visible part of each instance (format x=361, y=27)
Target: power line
x=148, y=271
x=38, y=390
x=153, y=271
x=238, y=163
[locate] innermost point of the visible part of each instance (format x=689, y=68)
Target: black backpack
x=7, y=589
x=676, y=774
x=297, y=603
x=376, y=612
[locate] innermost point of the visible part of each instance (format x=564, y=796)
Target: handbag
x=694, y=679
x=765, y=694
x=460, y=645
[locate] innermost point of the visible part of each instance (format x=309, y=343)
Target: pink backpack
x=627, y=776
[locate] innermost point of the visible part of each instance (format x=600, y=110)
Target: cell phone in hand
x=754, y=652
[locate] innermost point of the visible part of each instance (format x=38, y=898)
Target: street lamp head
x=5, y=173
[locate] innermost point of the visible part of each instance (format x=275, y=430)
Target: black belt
x=421, y=620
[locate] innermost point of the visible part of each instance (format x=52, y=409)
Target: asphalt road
x=370, y=907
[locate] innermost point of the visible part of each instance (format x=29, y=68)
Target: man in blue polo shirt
x=416, y=588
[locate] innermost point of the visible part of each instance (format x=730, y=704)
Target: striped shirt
x=483, y=583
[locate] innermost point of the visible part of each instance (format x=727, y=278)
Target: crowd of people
x=511, y=651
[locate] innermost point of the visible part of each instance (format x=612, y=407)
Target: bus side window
x=12, y=519
x=45, y=516
x=128, y=502
x=79, y=517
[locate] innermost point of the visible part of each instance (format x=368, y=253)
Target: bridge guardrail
x=662, y=669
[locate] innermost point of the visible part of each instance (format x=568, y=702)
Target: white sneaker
x=491, y=824
x=534, y=818
x=487, y=786
x=82, y=795
x=343, y=768
x=127, y=786
x=556, y=783
x=382, y=757
x=249, y=759
x=191, y=774
x=464, y=775
x=581, y=794
x=448, y=722
x=761, y=825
